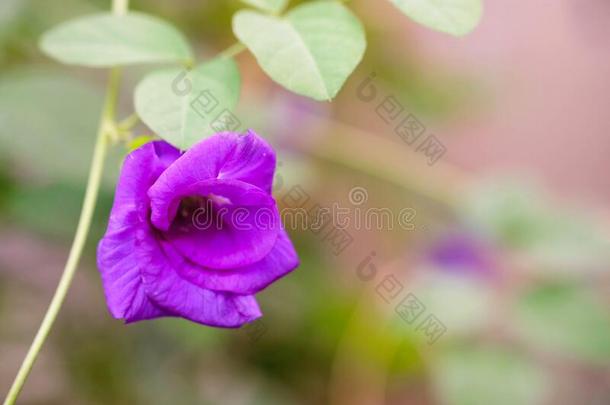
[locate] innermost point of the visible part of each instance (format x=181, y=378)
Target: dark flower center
x=199, y=213
x=221, y=225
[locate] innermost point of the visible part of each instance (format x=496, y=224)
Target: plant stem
x=120, y=7
x=107, y=120
x=95, y=175
x=233, y=50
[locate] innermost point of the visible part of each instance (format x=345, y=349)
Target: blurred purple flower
x=154, y=259
x=459, y=252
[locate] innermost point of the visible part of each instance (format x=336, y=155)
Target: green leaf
x=566, y=320
x=184, y=107
x=311, y=51
x=488, y=375
x=456, y=17
x=104, y=40
x=269, y=6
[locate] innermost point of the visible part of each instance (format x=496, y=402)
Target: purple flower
x=156, y=261
x=459, y=252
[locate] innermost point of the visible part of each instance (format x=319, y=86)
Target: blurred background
x=494, y=288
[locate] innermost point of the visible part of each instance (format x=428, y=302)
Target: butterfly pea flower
x=461, y=253
x=156, y=259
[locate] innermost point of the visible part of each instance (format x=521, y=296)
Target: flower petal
x=116, y=256
x=238, y=232
x=121, y=278
x=227, y=156
x=174, y=294
x=281, y=260
x=252, y=161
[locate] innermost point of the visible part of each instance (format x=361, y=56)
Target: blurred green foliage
x=486, y=375
x=546, y=302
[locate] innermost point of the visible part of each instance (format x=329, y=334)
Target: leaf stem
x=107, y=120
x=120, y=7
x=128, y=123
x=233, y=50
